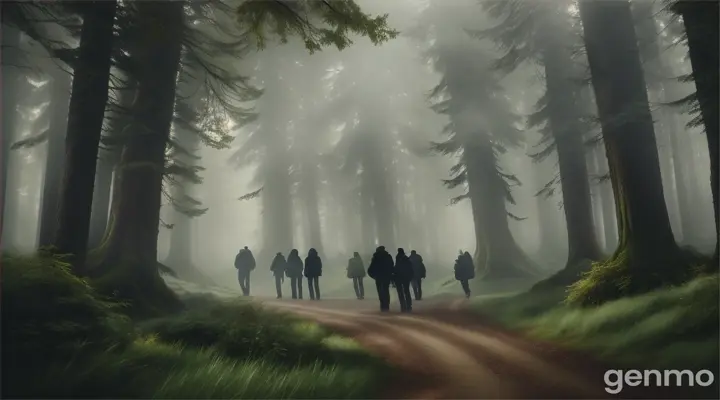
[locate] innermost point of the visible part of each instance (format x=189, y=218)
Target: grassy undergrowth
x=61, y=340
x=668, y=328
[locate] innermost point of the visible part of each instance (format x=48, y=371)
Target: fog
x=350, y=151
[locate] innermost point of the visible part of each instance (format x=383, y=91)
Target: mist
x=375, y=145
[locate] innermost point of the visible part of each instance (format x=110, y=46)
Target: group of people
x=294, y=268
x=404, y=272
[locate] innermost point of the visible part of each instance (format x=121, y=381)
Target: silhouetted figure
x=464, y=271
x=402, y=277
x=294, y=271
x=278, y=269
x=313, y=271
x=418, y=274
x=356, y=271
x=381, y=270
x=244, y=263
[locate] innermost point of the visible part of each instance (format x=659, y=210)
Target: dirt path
x=446, y=352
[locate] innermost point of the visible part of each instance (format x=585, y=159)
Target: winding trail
x=444, y=351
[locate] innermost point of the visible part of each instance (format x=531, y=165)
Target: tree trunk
x=10, y=96
x=130, y=251
x=85, y=118
x=60, y=86
x=593, y=175
x=503, y=257
x=109, y=157
x=701, y=26
x=309, y=188
x=607, y=200
x=646, y=241
x=566, y=129
x=549, y=224
x=656, y=72
x=476, y=203
x=367, y=220
x=279, y=235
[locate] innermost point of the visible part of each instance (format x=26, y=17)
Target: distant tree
x=481, y=126
x=11, y=78
x=542, y=33
x=676, y=171
x=60, y=83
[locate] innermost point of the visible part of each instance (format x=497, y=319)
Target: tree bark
x=108, y=160
x=85, y=118
x=130, y=265
x=701, y=26
x=645, y=237
x=59, y=106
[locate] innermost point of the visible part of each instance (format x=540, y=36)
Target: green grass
x=668, y=328
x=62, y=340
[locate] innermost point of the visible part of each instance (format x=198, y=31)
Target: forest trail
x=446, y=352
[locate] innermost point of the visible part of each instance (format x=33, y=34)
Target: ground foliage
x=61, y=339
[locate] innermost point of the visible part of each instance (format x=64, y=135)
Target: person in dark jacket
x=465, y=271
x=381, y=270
x=356, y=272
x=294, y=271
x=313, y=272
x=418, y=274
x=244, y=263
x=278, y=267
x=402, y=278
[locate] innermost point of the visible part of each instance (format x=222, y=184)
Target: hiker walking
x=356, y=271
x=402, y=277
x=381, y=270
x=294, y=271
x=313, y=272
x=278, y=267
x=418, y=274
x=244, y=263
x=465, y=271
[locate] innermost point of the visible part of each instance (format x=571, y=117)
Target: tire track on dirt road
x=459, y=363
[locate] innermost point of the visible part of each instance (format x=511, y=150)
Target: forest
x=570, y=146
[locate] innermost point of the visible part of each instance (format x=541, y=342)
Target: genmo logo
x=616, y=380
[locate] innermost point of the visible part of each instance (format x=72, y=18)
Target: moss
x=140, y=288
x=47, y=310
x=615, y=278
x=649, y=330
x=669, y=328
